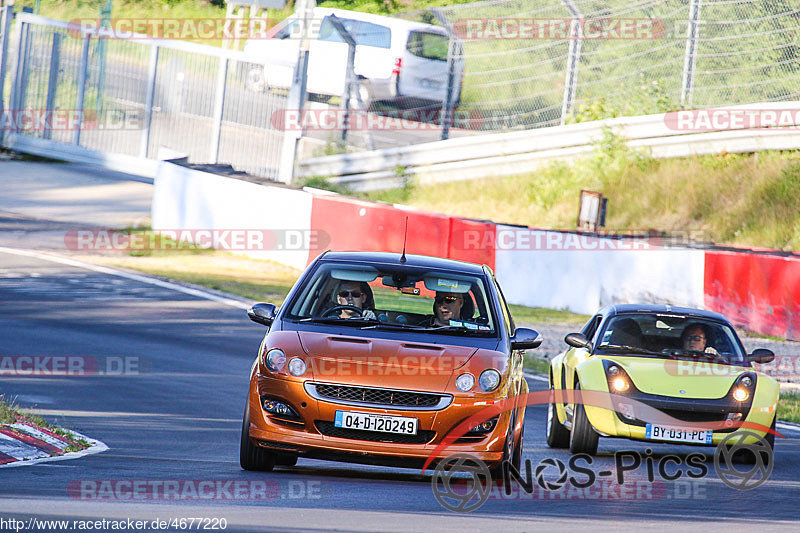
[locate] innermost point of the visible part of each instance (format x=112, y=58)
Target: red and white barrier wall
x=755, y=289
x=583, y=273
x=559, y=270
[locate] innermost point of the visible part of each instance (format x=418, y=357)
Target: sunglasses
x=695, y=338
x=354, y=294
x=446, y=299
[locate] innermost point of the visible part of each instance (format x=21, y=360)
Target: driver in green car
x=695, y=338
x=356, y=294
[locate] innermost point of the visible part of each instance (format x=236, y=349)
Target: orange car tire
x=251, y=457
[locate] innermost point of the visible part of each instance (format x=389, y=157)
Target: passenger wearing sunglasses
x=357, y=294
x=446, y=307
x=695, y=338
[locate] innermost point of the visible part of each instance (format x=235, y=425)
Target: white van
x=395, y=59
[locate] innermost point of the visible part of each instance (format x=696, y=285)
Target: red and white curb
x=25, y=443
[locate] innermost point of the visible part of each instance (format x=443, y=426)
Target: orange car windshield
x=395, y=296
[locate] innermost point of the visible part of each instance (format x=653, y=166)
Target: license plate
x=373, y=422
x=654, y=432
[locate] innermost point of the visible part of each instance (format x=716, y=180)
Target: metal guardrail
x=505, y=154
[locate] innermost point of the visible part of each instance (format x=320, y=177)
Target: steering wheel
x=708, y=356
x=337, y=308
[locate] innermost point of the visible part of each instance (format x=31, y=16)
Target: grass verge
x=789, y=407
x=264, y=281
x=536, y=364
x=9, y=411
x=744, y=200
x=261, y=280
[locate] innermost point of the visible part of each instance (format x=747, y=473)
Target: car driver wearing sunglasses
x=354, y=294
x=446, y=307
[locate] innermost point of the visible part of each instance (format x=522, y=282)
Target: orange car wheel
x=251, y=457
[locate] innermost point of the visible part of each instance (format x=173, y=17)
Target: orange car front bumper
x=306, y=438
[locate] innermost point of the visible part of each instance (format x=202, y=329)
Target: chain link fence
x=551, y=62
x=142, y=97
x=526, y=65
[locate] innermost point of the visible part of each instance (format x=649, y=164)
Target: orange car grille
x=329, y=430
x=378, y=396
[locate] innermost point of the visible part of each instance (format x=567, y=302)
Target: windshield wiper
x=387, y=325
x=354, y=321
x=631, y=349
x=460, y=329
x=692, y=355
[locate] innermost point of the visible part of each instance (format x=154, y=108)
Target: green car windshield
x=671, y=336
x=395, y=297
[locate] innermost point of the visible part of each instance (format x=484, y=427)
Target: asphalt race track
x=175, y=414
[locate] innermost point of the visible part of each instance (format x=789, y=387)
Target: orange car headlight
x=275, y=359
x=465, y=382
x=297, y=367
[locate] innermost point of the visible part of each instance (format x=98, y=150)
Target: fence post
x=52, y=84
x=692, y=30
x=297, y=93
x=79, y=107
x=446, y=115
x=16, y=97
x=350, y=73
x=101, y=51
x=573, y=59
x=148, y=102
x=219, y=106
x=5, y=30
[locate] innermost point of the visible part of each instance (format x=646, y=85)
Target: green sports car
x=658, y=373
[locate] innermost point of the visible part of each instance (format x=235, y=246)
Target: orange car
x=376, y=357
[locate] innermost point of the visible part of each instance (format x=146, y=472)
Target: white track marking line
x=135, y=277
x=783, y=426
